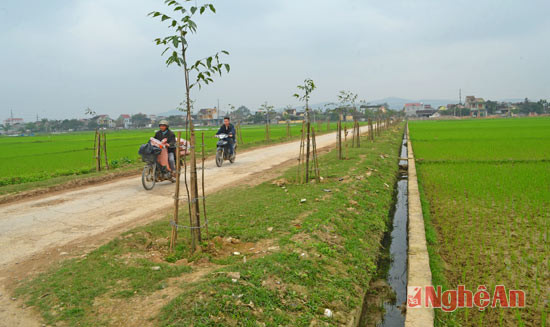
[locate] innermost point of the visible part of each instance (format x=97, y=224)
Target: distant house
x=13, y=121
x=425, y=113
x=208, y=113
x=410, y=109
x=124, y=121
x=505, y=109
x=105, y=121
x=476, y=105
x=290, y=112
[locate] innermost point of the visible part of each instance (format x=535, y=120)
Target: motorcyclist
x=229, y=129
x=165, y=135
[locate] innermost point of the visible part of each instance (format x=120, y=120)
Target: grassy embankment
x=486, y=198
x=47, y=160
x=271, y=259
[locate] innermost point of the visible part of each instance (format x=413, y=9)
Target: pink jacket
x=162, y=159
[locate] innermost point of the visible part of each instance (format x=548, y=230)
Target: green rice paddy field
x=41, y=157
x=485, y=188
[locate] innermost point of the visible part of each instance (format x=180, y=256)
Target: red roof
x=412, y=104
x=125, y=116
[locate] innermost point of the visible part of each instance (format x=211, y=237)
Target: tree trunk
x=308, y=127
x=194, y=213
x=174, y=235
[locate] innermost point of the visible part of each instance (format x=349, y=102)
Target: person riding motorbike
x=165, y=135
x=229, y=129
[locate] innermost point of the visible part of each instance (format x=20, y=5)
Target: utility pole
x=459, y=96
x=218, y=111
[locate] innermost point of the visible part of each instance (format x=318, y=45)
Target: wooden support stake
x=315, y=157
x=340, y=138
x=95, y=149
x=328, y=124
x=346, y=140
x=308, y=146
x=174, y=234
x=353, y=134
x=267, y=128
x=105, y=150
x=98, y=153
x=288, y=129
x=241, y=133
x=299, y=173
x=358, y=135
x=203, y=194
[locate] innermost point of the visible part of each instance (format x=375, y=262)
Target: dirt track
x=33, y=231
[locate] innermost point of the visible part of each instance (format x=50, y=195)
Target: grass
x=301, y=257
x=34, y=159
x=487, y=210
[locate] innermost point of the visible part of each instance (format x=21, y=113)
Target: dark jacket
x=228, y=130
x=170, y=138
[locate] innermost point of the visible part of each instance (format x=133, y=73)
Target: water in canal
x=397, y=274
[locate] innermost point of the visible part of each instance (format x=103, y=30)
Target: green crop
x=488, y=187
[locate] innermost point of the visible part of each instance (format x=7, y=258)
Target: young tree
x=306, y=88
x=196, y=73
x=348, y=99
x=268, y=112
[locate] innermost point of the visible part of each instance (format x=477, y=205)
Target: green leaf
x=203, y=8
x=212, y=8
x=209, y=62
x=224, y=52
x=227, y=67
x=164, y=17
x=193, y=10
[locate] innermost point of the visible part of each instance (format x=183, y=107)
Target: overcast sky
x=60, y=56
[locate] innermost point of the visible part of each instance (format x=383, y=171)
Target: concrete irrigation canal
x=397, y=274
x=404, y=260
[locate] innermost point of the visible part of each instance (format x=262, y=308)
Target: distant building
x=505, y=109
x=374, y=107
x=290, y=112
x=125, y=121
x=410, y=109
x=105, y=121
x=208, y=113
x=476, y=105
x=13, y=121
x=425, y=113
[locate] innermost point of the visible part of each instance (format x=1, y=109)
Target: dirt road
x=48, y=223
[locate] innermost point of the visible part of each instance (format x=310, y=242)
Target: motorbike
x=153, y=172
x=222, y=151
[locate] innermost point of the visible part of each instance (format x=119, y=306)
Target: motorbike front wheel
x=219, y=157
x=148, y=177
